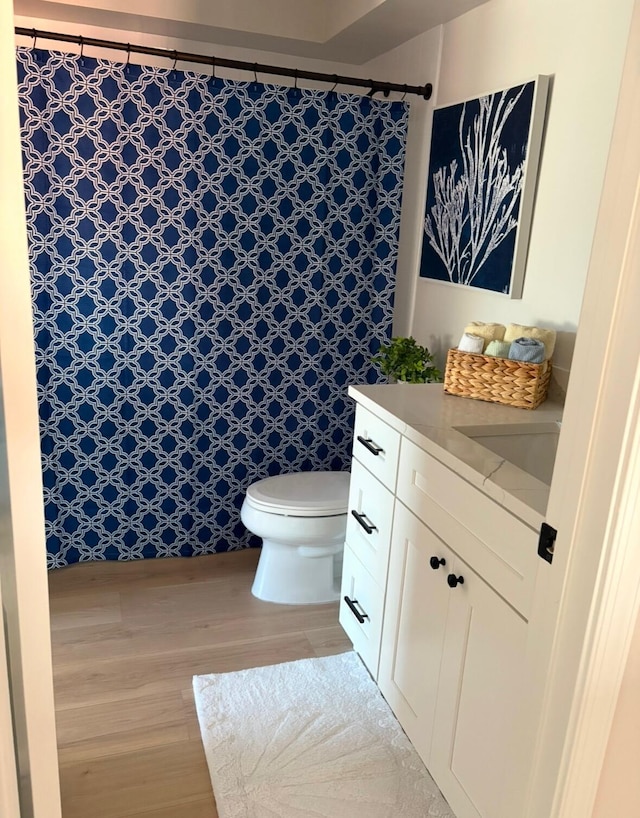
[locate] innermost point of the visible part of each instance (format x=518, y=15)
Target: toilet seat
x=302, y=494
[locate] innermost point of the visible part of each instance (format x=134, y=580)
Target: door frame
x=587, y=602
x=23, y=571
x=9, y=804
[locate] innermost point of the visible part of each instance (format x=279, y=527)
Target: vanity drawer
x=499, y=546
x=376, y=445
x=365, y=602
x=369, y=521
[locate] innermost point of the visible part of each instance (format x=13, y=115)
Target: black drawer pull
x=436, y=562
x=352, y=607
x=369, y=444
x=453, y=580
x=364, y=521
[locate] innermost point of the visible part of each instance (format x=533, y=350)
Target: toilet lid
x=302, y=494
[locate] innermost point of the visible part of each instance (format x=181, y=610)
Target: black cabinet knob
x=453, y=580
x=436, y=562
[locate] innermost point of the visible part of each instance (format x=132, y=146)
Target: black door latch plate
x=546, y=542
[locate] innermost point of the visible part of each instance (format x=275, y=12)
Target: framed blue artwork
x=482, y=176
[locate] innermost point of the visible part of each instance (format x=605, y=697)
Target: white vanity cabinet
x=451, y=653
x=374, y=468
x=446, y=580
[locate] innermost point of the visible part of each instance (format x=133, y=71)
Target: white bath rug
x=312, y=738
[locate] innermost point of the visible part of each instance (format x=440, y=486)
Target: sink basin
x=531, y=446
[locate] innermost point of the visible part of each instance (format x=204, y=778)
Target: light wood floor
x=127, y=639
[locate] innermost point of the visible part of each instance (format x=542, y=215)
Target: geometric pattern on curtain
x=212, y=264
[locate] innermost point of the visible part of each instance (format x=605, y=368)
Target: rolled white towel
x=527, y=350
x=490, y=332
x=547, y=336
x=471, y=343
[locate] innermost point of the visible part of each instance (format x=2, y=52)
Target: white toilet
x=301, y=519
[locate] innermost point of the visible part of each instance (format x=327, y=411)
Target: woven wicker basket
x=499, y=380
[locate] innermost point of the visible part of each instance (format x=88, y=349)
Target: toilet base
x=302, y=575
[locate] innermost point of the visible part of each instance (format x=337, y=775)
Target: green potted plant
x=403, y=359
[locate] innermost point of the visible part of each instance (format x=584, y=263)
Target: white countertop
x=426, y=415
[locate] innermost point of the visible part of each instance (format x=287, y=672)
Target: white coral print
x=475, y=204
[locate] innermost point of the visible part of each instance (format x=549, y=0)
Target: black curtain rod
x=221, y=62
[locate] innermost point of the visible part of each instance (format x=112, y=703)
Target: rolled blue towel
x=528, y=350
x=499, y=349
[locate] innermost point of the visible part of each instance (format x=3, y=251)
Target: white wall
x=581, y=45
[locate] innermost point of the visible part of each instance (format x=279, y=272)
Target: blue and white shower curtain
x=212, y=264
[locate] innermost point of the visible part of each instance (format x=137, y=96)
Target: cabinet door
x=414, y=626
x=369, y=521
x=361, y=604
x=479, y=697
x=377, y=446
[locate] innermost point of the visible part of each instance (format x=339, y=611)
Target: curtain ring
x=213, y=68
x=34, y=34
x=126, y=65
x=175, y=60
x=296, y=92
x=335, y=84
x=255, y=72
x=404, y=96
x=81, y=41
